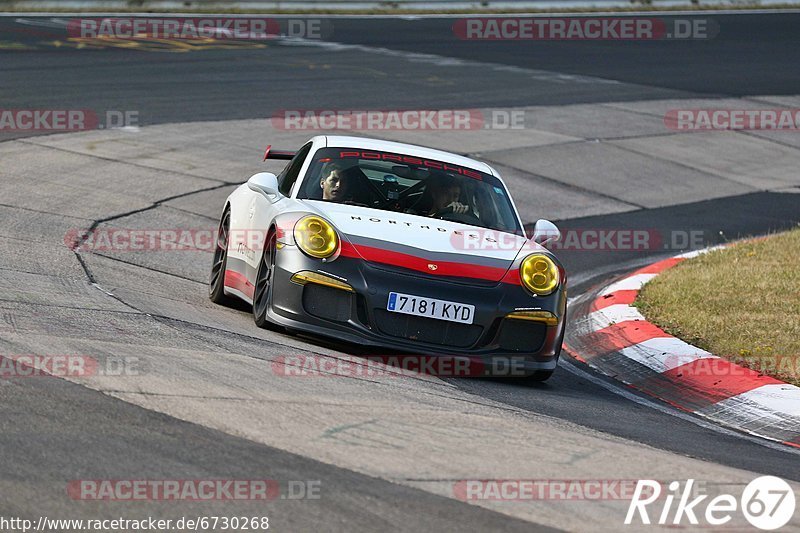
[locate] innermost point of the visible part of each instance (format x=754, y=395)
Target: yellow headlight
x=539, y=274
x=316, y=237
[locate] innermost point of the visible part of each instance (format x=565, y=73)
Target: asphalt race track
x=752, y=55
x=209, y=400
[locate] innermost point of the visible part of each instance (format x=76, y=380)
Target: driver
x=441, y=195
x=334, y=183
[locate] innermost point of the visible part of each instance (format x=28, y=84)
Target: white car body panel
x=252, y=212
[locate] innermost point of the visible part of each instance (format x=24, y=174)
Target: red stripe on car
x=238, y=281
x=420, y=264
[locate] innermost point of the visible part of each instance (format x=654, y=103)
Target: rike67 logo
x=767, y=502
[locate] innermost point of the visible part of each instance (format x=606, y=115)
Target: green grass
x=741, y=303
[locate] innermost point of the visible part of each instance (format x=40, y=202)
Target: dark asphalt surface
x=750, y=55
x=52, y=431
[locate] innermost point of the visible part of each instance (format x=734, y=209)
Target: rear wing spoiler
x=277, y=154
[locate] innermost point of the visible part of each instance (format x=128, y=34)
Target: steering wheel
x=465, y=218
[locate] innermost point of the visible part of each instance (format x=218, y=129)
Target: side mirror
x=545, y=231
x=264, y=182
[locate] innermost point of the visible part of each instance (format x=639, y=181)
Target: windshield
x=408, y=184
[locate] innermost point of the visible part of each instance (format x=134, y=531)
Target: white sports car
x=393, y=245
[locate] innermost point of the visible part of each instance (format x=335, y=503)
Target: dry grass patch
x=741, y=303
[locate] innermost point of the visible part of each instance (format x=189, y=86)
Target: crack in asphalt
x=158, y=203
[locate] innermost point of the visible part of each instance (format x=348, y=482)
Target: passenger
x=334, y=183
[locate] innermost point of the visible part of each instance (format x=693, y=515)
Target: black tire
x=262, y=296
x=216, y=283
x=540, y=375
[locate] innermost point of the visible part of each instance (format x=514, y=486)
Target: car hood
x=431, y=246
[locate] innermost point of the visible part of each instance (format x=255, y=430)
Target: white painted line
x=665, y=353
x=631, y=283
x=613, y=314
x=770, y=411
x=695, y=253
x=778, y=398
x=127, y=129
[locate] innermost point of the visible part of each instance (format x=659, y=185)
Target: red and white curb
x=613, y=337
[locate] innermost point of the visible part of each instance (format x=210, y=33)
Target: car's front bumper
x=361, y=317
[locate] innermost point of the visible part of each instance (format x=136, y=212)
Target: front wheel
x=262, y=296
x=216, y=283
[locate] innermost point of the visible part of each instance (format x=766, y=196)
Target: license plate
x=430, y=308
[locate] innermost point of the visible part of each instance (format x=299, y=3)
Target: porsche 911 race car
x=397, y=246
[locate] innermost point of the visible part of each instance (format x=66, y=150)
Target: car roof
x=345, y=141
